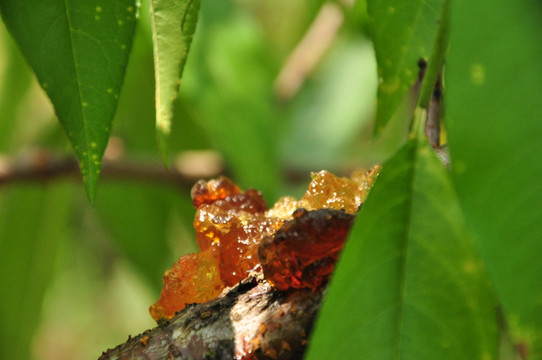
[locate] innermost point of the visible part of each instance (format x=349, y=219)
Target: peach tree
x=443, y=260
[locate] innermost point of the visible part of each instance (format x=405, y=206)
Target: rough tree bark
x=249, y=321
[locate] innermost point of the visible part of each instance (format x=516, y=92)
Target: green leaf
x=403, y=32
x=436, y=61
x=409, y=284
x=32, y=223
x=78, y=50
x=14, y=85
x=141, y=229
x=494, y=82
x=173, y=23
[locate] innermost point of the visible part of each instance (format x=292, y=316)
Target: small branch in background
x=42, y=166
x=187, y=168
x=432, y=125
x=422, y=67
x=315, y=43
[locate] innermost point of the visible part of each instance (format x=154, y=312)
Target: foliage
x=496, y=161
x=442, y=263
x=411, y=252
x=173, y=24
x=79, y=51
x=403, y=33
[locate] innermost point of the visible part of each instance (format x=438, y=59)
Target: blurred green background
x=78, y=279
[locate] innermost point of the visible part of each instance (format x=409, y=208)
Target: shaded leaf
x=138, y=217
x=173, y=23
x=78, y=50
x=409, y=284
x=403, y=32
x=14, y=85
x=32, y=223
x=494, y=83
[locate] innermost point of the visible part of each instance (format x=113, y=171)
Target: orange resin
x=302, y=253
x=193, y=279
x=296, y=242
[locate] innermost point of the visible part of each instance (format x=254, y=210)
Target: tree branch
x=187, y=168
x=249, y=321
x=41, y=166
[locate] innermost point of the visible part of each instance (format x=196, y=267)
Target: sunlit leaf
x=404, y=31
x=409, y=284
x=173, y=23
x=32, y=223
x=494, y=78
x=78, y=50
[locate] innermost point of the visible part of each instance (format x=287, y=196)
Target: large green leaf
x=173, y=23
x=403, y=32
x=409, y=284
x=494, y=82
x=78, y=50
x=32, y=223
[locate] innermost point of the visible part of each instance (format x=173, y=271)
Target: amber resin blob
x=295, y=243
x=302, y=253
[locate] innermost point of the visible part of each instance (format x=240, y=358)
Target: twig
x=309, y=51
x=43, y=167
x=187, y=168
x=432, y=125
